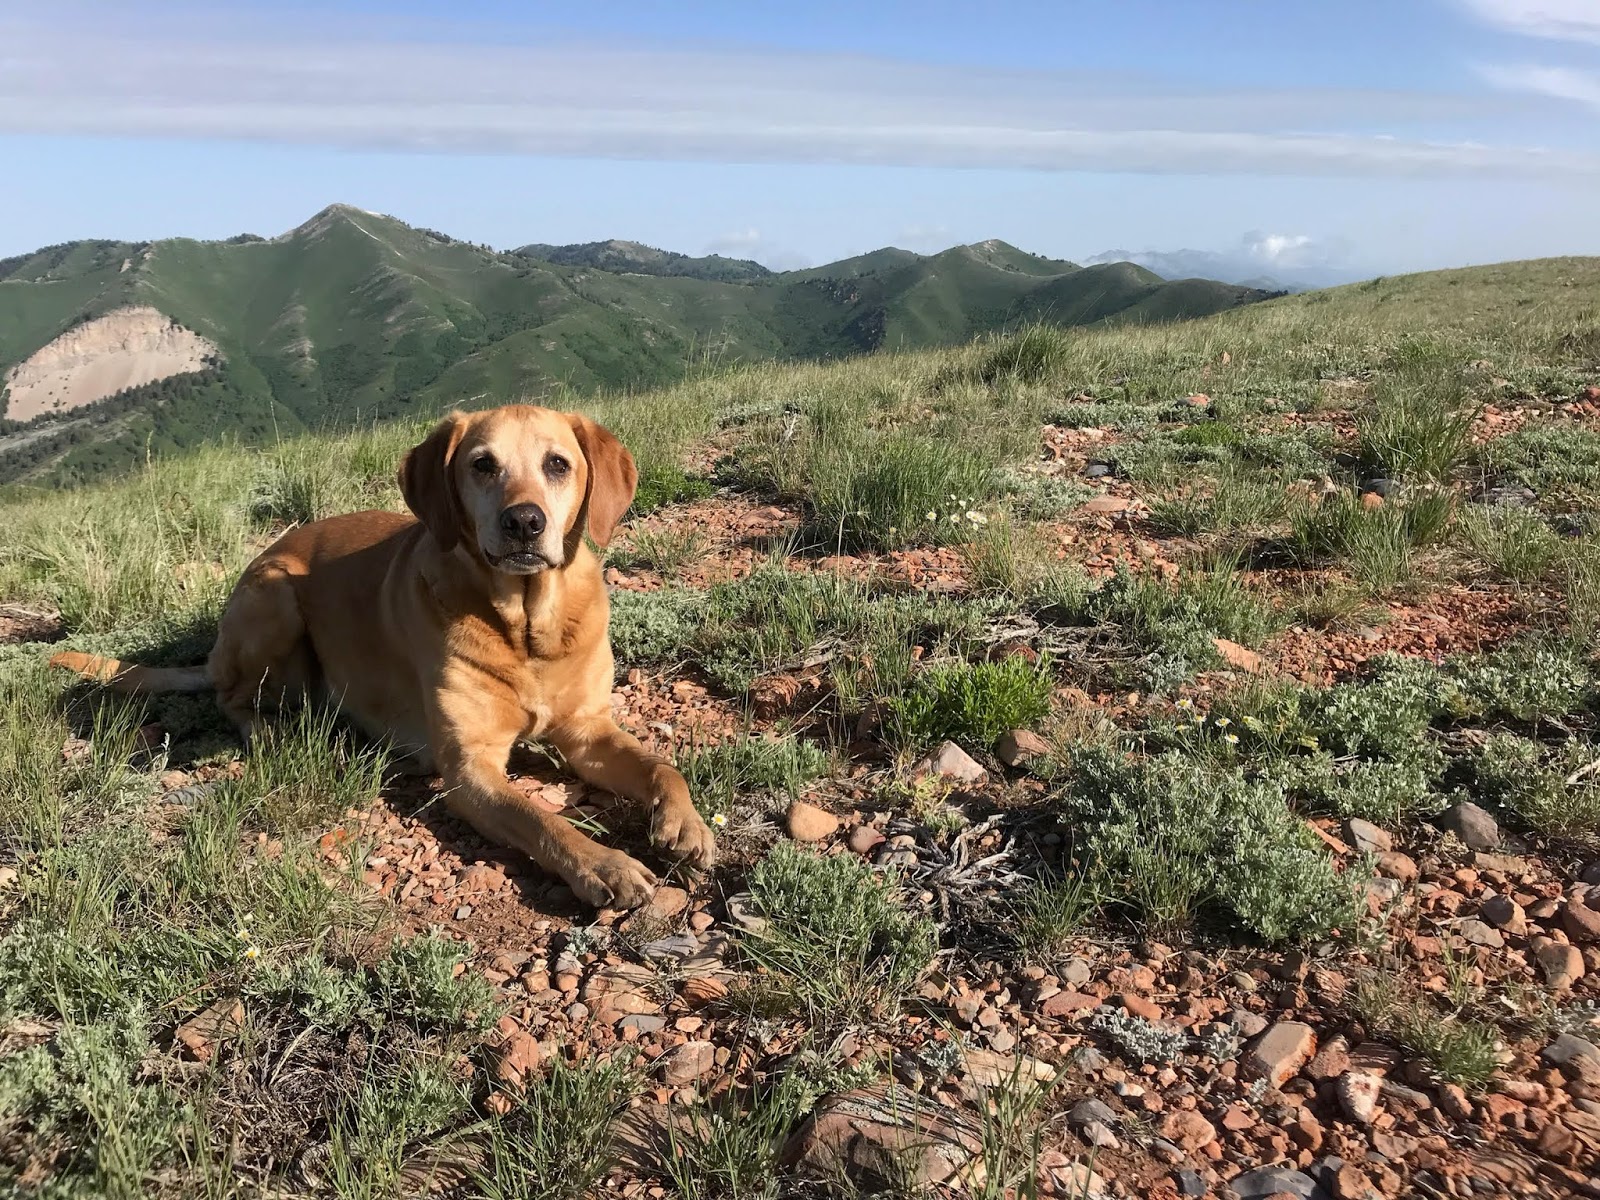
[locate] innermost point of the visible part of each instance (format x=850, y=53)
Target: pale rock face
x=125, y=348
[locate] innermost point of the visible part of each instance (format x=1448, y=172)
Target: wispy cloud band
x=363, y=88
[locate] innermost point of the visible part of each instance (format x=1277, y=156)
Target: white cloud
x=1282, y=249
x=96, y=71
x=1560, y=83
x=752, y=244
x=737, y=244
x=1557, y=20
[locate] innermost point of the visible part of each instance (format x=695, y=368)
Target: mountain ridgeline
x=110, y=351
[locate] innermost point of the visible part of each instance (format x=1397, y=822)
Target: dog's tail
x=127, y=677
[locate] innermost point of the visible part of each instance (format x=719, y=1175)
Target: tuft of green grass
x=780, y=767
x=971, y=702
x=304, y=770
x=731, y=1150
x=1053, y=911
x=1008, y=558
x=1376, y=544
x=838, y=933
x=666, y=552
x=1456, y=1048
x=558, y=1141
x=298, y=484
x=1419, y=423
x=1513, y=542
x=662, y=483
x=1176, y=624
x=1033, y=354
x=1236, y=501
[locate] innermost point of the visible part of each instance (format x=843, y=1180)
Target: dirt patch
x=18, y=624
x=123, y=349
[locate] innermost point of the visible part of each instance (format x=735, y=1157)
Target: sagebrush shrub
x=1177, y=840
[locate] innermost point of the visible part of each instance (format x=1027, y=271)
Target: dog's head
x=519, y=485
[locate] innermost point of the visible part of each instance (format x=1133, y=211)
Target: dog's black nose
x=523, y=522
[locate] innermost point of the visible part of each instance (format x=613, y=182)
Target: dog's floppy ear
x=429, y=485
x=612, y=477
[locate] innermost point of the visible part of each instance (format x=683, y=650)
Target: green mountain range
x=354, y=317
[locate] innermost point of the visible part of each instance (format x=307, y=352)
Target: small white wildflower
x=932, y=516
x=977, y=518
x=1223, y=722
x=1231, y=738
x=720, y=820
x=252, y=952
x=1185, y=704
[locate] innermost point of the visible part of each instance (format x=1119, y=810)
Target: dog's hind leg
x=263, y=658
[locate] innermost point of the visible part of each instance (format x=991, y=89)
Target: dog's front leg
x=473, y=736
x=609, y=757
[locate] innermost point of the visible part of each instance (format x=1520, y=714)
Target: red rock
x=1393, y=865
x=1238, y=1118
x=703, y=990
x=689, y=1062
x=667, y=902
x=1105, y=505
x=202, y=1034
x=808, y=823
x=1371, y=500
x=1140, y=1007
x=1330, y=1062
x=884, y=1134
x=1020, y=746
x=1280, y=1052
x=1063, y=1003
x=1561, y=964
x=1358, y=1096
x=1351, y=1184
x=1581, y=922
x=1188, y=1129
x=1453, y=1102
x=952, y=762
x=481, y=878
x=1238, y=656
x=864, y=839
x=1497, y=1106
x=517, y=1056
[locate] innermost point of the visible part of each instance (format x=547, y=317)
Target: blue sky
x=1371, y=137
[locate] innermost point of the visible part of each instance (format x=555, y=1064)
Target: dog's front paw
x=678, y=829
x=613, y=880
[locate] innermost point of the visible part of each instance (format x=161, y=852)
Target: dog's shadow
x=188, y=732
x=611, y=820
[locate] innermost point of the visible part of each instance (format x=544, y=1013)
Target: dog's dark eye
x=485, y=464
x=556, y=467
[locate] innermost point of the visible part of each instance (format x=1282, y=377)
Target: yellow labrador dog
x=455, y=634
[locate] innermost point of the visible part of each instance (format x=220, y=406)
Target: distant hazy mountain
x=110, y=350
x=1238, y=268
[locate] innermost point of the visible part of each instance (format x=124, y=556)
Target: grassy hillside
x=638, y=259
x=353, y=318
x=1234, y=614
